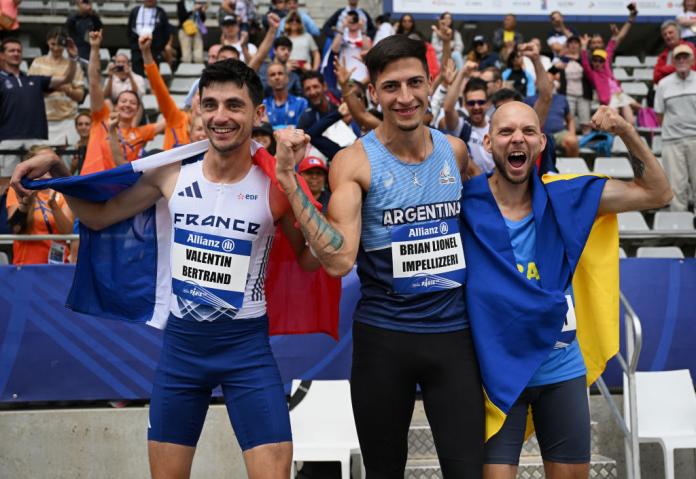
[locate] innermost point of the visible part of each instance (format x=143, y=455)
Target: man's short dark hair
x=10, y=40
x=313, y=75
x=353, y=15
x=476, y=84
x=506, y=94
x=391, y=49
x=228, y=48
x=282, y=42
x=495, y=71
x=233, y=71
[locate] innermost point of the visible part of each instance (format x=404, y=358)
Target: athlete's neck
x=280, y=96
x=408, y=146
x=227, y=166
x=513, y=199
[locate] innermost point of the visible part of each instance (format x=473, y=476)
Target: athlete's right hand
x=33, y=168
x=291, y=144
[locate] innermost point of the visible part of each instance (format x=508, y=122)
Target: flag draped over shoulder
x=515, y=322
x=123, y=271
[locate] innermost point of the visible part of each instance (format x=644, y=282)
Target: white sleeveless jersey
x=221, y=239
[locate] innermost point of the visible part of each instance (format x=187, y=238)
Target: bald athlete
x=557, y=390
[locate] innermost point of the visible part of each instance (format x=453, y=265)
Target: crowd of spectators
x=315, y=79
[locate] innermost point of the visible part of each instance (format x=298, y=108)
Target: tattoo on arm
x=637, y=165
x=321, y=236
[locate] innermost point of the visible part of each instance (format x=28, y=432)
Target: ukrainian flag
x=515, y=322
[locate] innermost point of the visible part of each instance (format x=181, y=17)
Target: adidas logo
x=192, y=191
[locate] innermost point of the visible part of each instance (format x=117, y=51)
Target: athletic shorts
x=196, y=357
x=562, y=421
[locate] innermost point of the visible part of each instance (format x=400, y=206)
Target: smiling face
x=228, y=115
x=671, y=36
x=315, y=91
x=197, y=131
x=127, y=106
x=316, y=180
x=402, y=89
x=476, y=104
x=514, y=140
x=13, y=54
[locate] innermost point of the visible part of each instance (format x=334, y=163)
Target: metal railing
x=634, y=344
x=6, y=239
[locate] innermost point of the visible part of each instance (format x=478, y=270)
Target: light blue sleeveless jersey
x=411, y=261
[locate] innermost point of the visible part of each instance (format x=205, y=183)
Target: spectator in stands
x=191, y=29
x=61, y=103
x=41, y=213
x=282, y=108
x=108, y=129
x=350, y=44
x=9, y=11
x=320, y=102
x=335, y=21
x=120, y=77
x=617, y=35
x=481, y=54
x=520, y=78
x=493, y=78
x=505, y=38
x=560, y=123
x=22, y=110
x=316, y=174
x=559, y=34
x=601, y=76
x=264, y=135
x=406, y=25
x=545, y=61
x=245, y=10
x=687, y=21
x=304, y=55
x=675, y=104
x=384, y=27
x=212, y=53
x=308, y=23
x=457, y=43
x=80, y=23
x=232, y=34
x=672, y=37
x=574, y=84
x=278, y=7
x=83, y=125
x=148, y=19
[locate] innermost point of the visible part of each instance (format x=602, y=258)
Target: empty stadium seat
x=659, y=252
x=181, y=85
x=621, y=75
x=150, y=103
x=615, y=167
x=657, y=145
x=4, y=259
x=566, y=165
x=632, y=221
x=29, y=53
x=189, y=69
x=622, y=253
x=674, y=221
x=650, y=61
x=642, y=74
x=627, y=61
x=635, y=89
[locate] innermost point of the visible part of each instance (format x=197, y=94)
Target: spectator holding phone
x=80, y=23
x=304, y=55
x=61, y=103
x=120, y=77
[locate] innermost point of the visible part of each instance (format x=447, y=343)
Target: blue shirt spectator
x=284, y=114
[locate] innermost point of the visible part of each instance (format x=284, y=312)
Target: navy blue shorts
x=562, y=421
x=197, y=357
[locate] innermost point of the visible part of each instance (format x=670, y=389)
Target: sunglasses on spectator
x=476, y=102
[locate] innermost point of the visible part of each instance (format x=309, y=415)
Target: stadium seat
x=189, y=69
x=674, y=221
x=113, y=9
x=150, y=103
x=622, y=253
x=632, y=221
x=621, y=75
x=181, y=85
x=104, y=56
x=29, y=53
x=666, y=410
x=642, y=74
x=659, y=252
x=615, y=167
x=4, y=259
x=165, y=70
x=34, y=7
x=323, y=428
x=650, y=61
x=635, y=89
x=657, y=145
x=567, y=165
x=619, y=147
x=627, y=61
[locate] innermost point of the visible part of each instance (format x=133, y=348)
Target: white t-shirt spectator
x=250, y=46
x=385, y=30
x=302, y=47
x=118, y=85
x=573, y=74
x=687, y=32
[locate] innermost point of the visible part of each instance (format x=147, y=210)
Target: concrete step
x=531, y=467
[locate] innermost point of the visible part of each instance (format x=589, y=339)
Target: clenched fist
x=607, y=119
x=290, y=150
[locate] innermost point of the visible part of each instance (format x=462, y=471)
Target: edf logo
x=247, y=196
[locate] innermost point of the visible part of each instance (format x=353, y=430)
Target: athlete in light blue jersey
x=395, y=209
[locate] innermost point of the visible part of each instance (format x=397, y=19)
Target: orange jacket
x=176, y=132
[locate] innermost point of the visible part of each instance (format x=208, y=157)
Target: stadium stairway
x=423, y=463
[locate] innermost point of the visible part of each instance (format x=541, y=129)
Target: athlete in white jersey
x=223, y=210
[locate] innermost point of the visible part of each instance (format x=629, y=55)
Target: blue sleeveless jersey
x=410, y=261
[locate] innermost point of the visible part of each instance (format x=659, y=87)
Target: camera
x=61, y=40
x=119, y=68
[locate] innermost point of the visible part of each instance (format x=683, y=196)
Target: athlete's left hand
x=607, y=119
x=290, y=150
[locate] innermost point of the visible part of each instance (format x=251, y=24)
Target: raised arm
x=454, y=90
x=96, y=95
x=619, y=35
x=649, y=188
x=334, y=238
x=356, y=106
x=544, y=85
x=96, y=215
x=165, y=102
x=267, y=42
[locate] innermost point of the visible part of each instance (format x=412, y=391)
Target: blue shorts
x=197, y=357
x=562, y=421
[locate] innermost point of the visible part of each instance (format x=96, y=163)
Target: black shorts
x=562, y=421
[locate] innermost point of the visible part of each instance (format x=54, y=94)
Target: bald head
x=514, y=109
